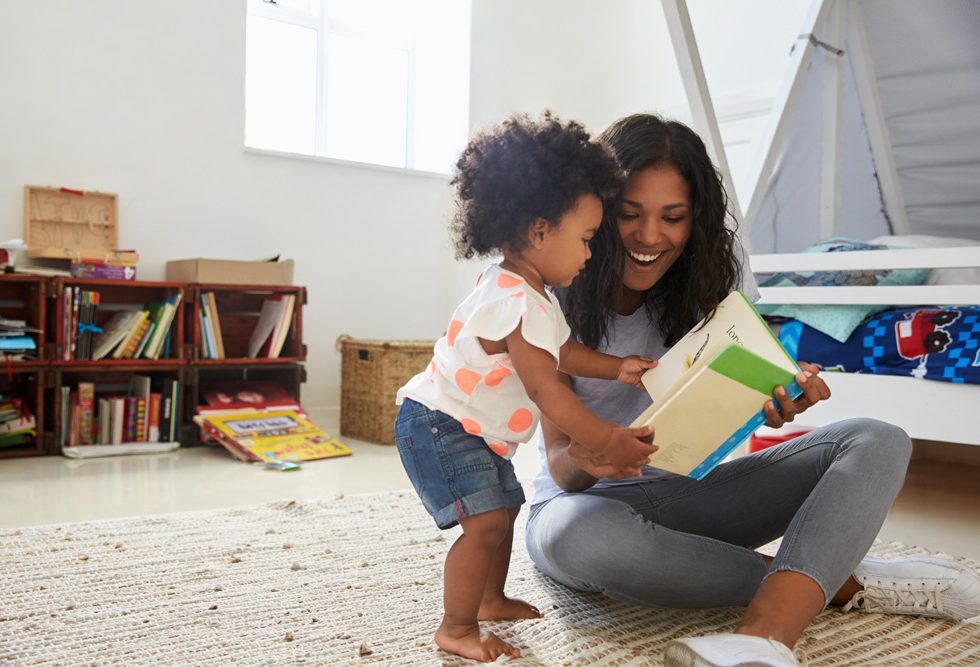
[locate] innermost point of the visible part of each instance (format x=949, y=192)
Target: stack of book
x=15, y=343
x=259, y=422
x=147, y=413
x=17, y=425
x=212, y=344
x=142, y=333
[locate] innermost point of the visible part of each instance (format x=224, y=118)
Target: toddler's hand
x=624, y=451
x=632, y=367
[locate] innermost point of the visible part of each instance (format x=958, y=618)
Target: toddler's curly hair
x=520, y=170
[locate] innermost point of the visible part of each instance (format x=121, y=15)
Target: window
x=378, y=81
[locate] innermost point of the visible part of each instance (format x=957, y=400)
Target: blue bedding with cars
x=936, y=343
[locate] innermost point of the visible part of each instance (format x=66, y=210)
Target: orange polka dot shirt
x=482, y=391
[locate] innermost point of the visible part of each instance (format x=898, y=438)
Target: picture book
x=269, y=435
x=708, y=389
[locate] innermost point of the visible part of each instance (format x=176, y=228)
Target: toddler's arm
x=577, y=359
x=537, y=371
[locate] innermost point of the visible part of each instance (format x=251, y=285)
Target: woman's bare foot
x=470, y=641
x=504, y=608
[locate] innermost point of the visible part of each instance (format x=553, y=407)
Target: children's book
x=708, y=390
x=270, y=435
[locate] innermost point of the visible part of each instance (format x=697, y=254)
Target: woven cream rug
x=321, y=583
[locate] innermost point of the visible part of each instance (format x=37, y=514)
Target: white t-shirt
x=614, y=401
x=480, y=390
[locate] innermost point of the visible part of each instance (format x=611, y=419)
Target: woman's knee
x=575, y=546
x=884, y=443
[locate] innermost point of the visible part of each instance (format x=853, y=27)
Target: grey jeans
x=681, y=543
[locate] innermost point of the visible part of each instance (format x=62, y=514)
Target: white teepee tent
x=875, y=131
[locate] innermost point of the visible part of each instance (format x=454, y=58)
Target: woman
x=655, y=538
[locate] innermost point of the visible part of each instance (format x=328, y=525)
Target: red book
x=154, y=418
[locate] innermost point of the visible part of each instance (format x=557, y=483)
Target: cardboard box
x=230, y=272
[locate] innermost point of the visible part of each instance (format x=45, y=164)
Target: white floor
x=939, y=508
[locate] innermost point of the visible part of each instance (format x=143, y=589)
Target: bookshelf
x=240, y=311
x=41, y=382
x=116, y=407
x=22, y=298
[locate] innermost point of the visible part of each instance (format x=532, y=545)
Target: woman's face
x=655, y=224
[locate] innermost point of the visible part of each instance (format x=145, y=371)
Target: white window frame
x=324, y=28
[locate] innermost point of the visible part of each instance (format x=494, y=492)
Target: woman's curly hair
x=710, y=266
x=513, y=173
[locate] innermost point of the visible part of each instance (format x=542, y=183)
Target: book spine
x=65, y=323
x=235, y=449
x=118, y=419
x=175, y=412
x=133, y=343
x=76, y=305
x=153, y=434
x=141, y=425
x=105, y=421
x=129, y=433
x=73, y=420
x=738, y=437
x=65, y=415
x=166, y=399
x=86, y=407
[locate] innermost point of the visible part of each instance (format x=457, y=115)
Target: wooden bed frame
x=926, y=409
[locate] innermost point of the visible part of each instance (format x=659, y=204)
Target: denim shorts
x=455, y=473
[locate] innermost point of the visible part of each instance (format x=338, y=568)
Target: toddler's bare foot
x=470, y=641
x=504, y=608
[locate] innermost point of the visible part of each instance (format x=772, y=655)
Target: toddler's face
x=566, y=246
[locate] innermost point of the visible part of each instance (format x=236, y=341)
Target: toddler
x=535, y=192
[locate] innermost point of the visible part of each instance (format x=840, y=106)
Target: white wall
x=145, y=99
x=598, y=61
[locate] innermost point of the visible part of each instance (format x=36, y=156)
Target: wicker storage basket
x=372, y=372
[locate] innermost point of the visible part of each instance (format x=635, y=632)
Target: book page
x=684, y=436
x=735, y=322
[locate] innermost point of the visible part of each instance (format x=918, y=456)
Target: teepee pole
x=830, y=160
x=699, y=99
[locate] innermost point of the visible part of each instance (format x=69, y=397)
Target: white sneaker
x=921, y=586
x=728, y=650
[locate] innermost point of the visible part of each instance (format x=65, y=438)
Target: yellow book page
x=682, y=430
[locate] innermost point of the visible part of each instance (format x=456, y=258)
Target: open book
x=708, y=390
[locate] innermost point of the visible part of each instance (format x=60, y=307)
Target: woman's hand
x=631, y=368
x=814, y=391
